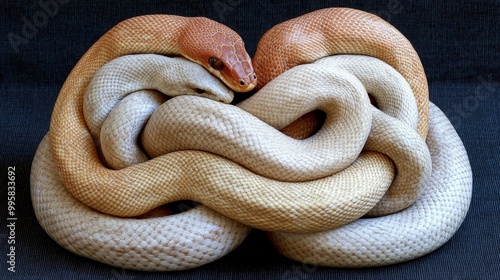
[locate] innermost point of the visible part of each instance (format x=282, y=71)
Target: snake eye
x=199, y=90
x=216, y=63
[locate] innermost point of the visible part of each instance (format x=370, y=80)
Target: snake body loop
x=258, y=145
x=119, y=146
x=409, y=234
x=178, y=179
x=127, y=74
x=96, y=170
x=334, y=31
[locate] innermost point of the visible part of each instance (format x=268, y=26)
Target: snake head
x=220, y=50
x=192, y=79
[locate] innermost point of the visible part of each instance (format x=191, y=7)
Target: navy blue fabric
x=458, y=42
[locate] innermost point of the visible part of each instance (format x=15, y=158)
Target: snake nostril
x=199, y=90
x=254, y=77
x=242, y=83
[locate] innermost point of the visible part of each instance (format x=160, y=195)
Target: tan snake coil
x=300, y=213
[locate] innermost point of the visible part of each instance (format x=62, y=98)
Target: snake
x=332, y=31
x=236, y=191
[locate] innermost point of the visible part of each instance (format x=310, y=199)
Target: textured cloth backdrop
x=457, y=41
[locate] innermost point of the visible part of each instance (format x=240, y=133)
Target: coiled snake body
x=309, y=194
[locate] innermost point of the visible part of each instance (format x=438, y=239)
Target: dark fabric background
x=458, y=42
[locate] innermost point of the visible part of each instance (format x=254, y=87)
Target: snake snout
x=220, y=94
x=248, y=83
x=227, y=98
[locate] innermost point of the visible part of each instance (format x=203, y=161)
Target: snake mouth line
x=240, y=86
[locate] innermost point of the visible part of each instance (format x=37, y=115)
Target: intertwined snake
x=407, y=171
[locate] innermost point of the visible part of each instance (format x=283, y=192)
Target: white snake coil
x=314, y=196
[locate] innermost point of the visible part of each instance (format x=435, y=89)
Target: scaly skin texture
x=195, y=38
x=341, y=31
x=310, y=220
x=204, y=39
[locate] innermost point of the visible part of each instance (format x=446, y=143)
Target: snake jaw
x=233, y=80
x=211, y=88
x=216, y=93
x=244, y=84
x=237, y=74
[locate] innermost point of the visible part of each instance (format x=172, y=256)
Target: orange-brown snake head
x=221, y=51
